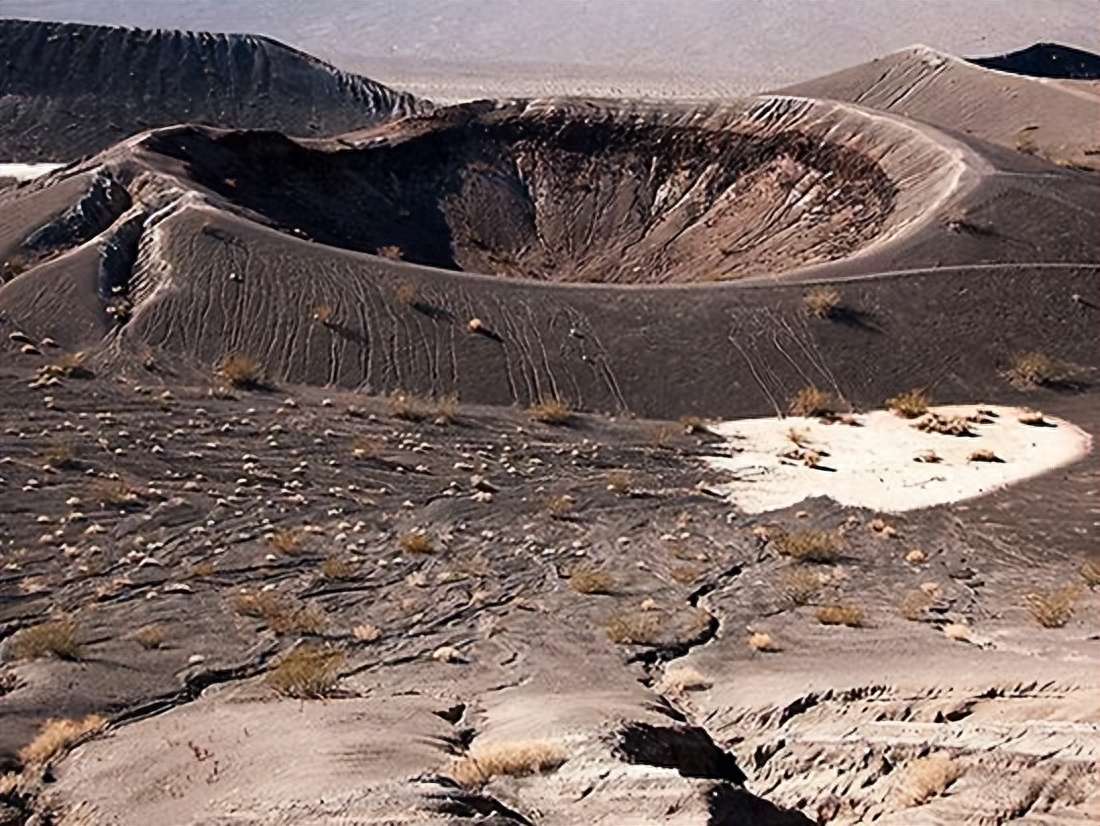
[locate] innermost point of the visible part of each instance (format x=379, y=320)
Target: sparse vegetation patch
x=1053, y=608
x=840, y=614
x=56, y=637
x=56, y=736
x=515, y=758
x=911, y=404
x=821, y=302
x=810, y=401
x=307, y=672
x=551, y=410
x=808, y=545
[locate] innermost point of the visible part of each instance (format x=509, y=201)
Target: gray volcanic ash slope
x=68, y=90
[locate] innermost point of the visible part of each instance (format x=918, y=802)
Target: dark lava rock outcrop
x=68, y=90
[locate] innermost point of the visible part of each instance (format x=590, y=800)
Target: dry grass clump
x=634, y=628
x=840, y=614
x=391, y=251
x=416, y=542
x=559, y=506
x=322, y=314
x=677, y=681
x=1090, y=572
x=686, y=574
x=763, y=642
x=983, y=455
x=801, y=585
x=56, y=637
x=821, y=302
x=1034, y=369
x=551, y=410
x=149, y=637
x=810, y=401
x=307, y=672
x=914, y=604
x=112, y=492
x=511, y=758
x=808, y=545
x=1053, y=608
x=405, y=294
x=1034, y=418
x=242, y=372
x=368, y=447
x=56, y=736
x=925, y=778
x=61, y=456
x=407, y=406
x=280, y=616
x=203, y=569
x=366, y=632
x=446, y=409
x=66, y=366
x=336, y=567
x=946, y=425
x=911, y=404
x=620, y=481
x=693, y=425
x=590, y=579
x=287, y=541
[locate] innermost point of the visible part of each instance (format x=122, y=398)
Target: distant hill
x=1046, y=60
x=68, y=90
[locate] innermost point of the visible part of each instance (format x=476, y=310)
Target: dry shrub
x=983, y=455
x=808, y=545
x=405, y=294
x=366, y=632
x=61, y=456
x=914, y=604
x=322, y=314
x=1090, y=572
x=686, y=574
x=242, y=372
x=559, y=506
x=56, y=736
x=287, y=541
x=911, y=404
x=201, y=570
x=511, y=758
x=112, y=492
x=760, y=641
x=551, y=410
x=391, y=251
x=335, y=567
x=307, y=672
x=407, y=406
x=1053, y=608
x=620, y=481
x=821, y=302
x=946, y=425
x=801, y=585
x=66, y=366
x=679, y=680
x=416, y=542
x=56, y=637
x=810, y=401
x=1034, y=369
x=150, y=637
x=280, y=616
x=693, y=424
x=368, y=447
x=839, y=614
x=634, y=628
x=925, y=778
x=590, y=579
x=446, y=409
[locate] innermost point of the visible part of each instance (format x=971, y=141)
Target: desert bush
x=983, y=455
x=407, y=406
x=61, y=456
x=821, y=302
x=551, y=410
x=634, y=628
x=446, y=409
x=590, y=579
x=1053, y=608
x=1090, y=572
x=241, y=371
x=392, y=252
x=620, y=481
x=149, y=637
x=368, y=447
x=203, y=569
x=810, y=401
x=840, y=614
x=416, y=542
x=693, y=424
x=914, y=604
x=948, y=426
x=559, y=506
x=307, y=672
x=287, y=541
x=366, y=632
x=801, y=585
x=278, y=614
x=511, y=758
x=680, y=679
x=66, y=366
x=15, y=265
x=808, y=545
x=56, y=736
x=924, y=778
x=1034, y=369
x=322, y=314
x=1033, y=418
x=56, y=637
x=686, y=574
x=335, y=567
x=910, y=404
x=761, y=641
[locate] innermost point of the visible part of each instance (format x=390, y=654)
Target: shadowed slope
x=1046, y=60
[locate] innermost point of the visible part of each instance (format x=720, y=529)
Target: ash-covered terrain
x=361, y=458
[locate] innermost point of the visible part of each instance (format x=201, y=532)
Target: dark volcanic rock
x=1045, y=60
x=68, y=90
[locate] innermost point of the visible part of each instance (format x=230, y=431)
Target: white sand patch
x=873, y=463
x=27, y=171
